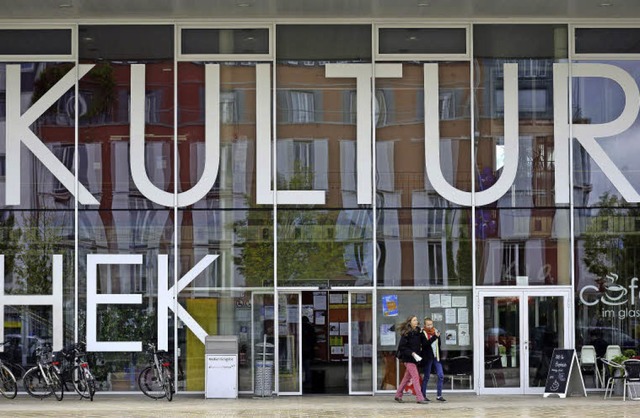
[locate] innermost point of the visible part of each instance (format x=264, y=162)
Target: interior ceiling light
x=606, y=4
x=422, y=3
x=65, y=5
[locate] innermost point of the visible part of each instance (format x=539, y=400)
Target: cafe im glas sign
x=167, y=182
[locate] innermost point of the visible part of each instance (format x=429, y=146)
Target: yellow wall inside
x=205, y=312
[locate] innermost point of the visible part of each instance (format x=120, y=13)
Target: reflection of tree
x=9, y=241
x=463, y=256
x=603, y=238
x=125, y=323
x=255, y=261
x=31, y=248
x=40, y=239
x=100, y=81
x=317, y=257
x=306, y=251
x=612, y=251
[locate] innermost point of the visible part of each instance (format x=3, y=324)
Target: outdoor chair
x=613, y=372
x=612, y=351
x=460, y=369
x=631, y=378
x=492, y=363
x=589, y=362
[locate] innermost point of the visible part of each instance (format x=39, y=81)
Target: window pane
x=607, y=41
x=456, y=341
x=520, y=237
x=225, y=41
x=35, y=42
x=422, y=41
x=516, y=41
x=323, y=42
x=126, y=42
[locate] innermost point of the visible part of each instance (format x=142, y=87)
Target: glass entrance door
x=520, y=330
x=261, y=349
x=360, y=343
x=289, y=344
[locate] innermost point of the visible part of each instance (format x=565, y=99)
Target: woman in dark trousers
x=409, y=350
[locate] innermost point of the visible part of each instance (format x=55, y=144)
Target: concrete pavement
x=188, y=405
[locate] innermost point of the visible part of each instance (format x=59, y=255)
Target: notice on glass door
x=390, y=305
x=463, y=315
x=387, y=335
x=320, y=301
x=450, y=316
x=463, y=334
x=459, y=301
x=451, y=337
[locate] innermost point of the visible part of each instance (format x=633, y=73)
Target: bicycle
x=156, y=380
x=44, y=379
x=12, y=359
x=8, y=383
x=75, y=369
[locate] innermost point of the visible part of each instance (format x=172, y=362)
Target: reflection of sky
x=499, y=157
x=601, y=100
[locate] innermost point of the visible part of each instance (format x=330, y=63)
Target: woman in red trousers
x=409, y=350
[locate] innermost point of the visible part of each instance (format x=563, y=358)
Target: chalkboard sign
x=564, y=375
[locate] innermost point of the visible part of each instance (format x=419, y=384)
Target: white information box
x=221, y=379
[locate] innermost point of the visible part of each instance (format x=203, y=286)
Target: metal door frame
x=276, y=340
x=373, y=340
x=253, y=337
x=523, y=354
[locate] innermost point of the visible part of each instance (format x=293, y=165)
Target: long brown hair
x=405, y=327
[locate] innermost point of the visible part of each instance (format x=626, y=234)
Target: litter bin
x=263, y=382
x=318, y=378
x=221, y=366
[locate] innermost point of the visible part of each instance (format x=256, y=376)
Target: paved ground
x=458, y=405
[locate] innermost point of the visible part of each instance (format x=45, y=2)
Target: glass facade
x=290, y=183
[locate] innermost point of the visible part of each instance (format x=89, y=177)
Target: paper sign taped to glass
x=390, y=305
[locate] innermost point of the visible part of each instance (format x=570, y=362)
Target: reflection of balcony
x=148, y=136
x=61, y=195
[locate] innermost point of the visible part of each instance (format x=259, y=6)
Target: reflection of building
x=490, y=275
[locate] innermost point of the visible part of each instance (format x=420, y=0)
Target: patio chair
x=613, y=372
x=612, y=351
x=492, y=363
x=460, y=369
x=589, y=362
x=631, y=378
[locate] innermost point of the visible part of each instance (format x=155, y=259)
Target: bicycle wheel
x=57, y=385
x=150, y=384
x=16, y=369
x=35, y=384
x=80, y=384
x=8, y=384
x=167, y=381
x=91, y=383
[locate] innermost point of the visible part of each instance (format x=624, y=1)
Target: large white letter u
x=212, y=140
x=432, y=140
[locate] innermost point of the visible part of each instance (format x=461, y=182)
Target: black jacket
x=427, y=346
x=410, y=343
